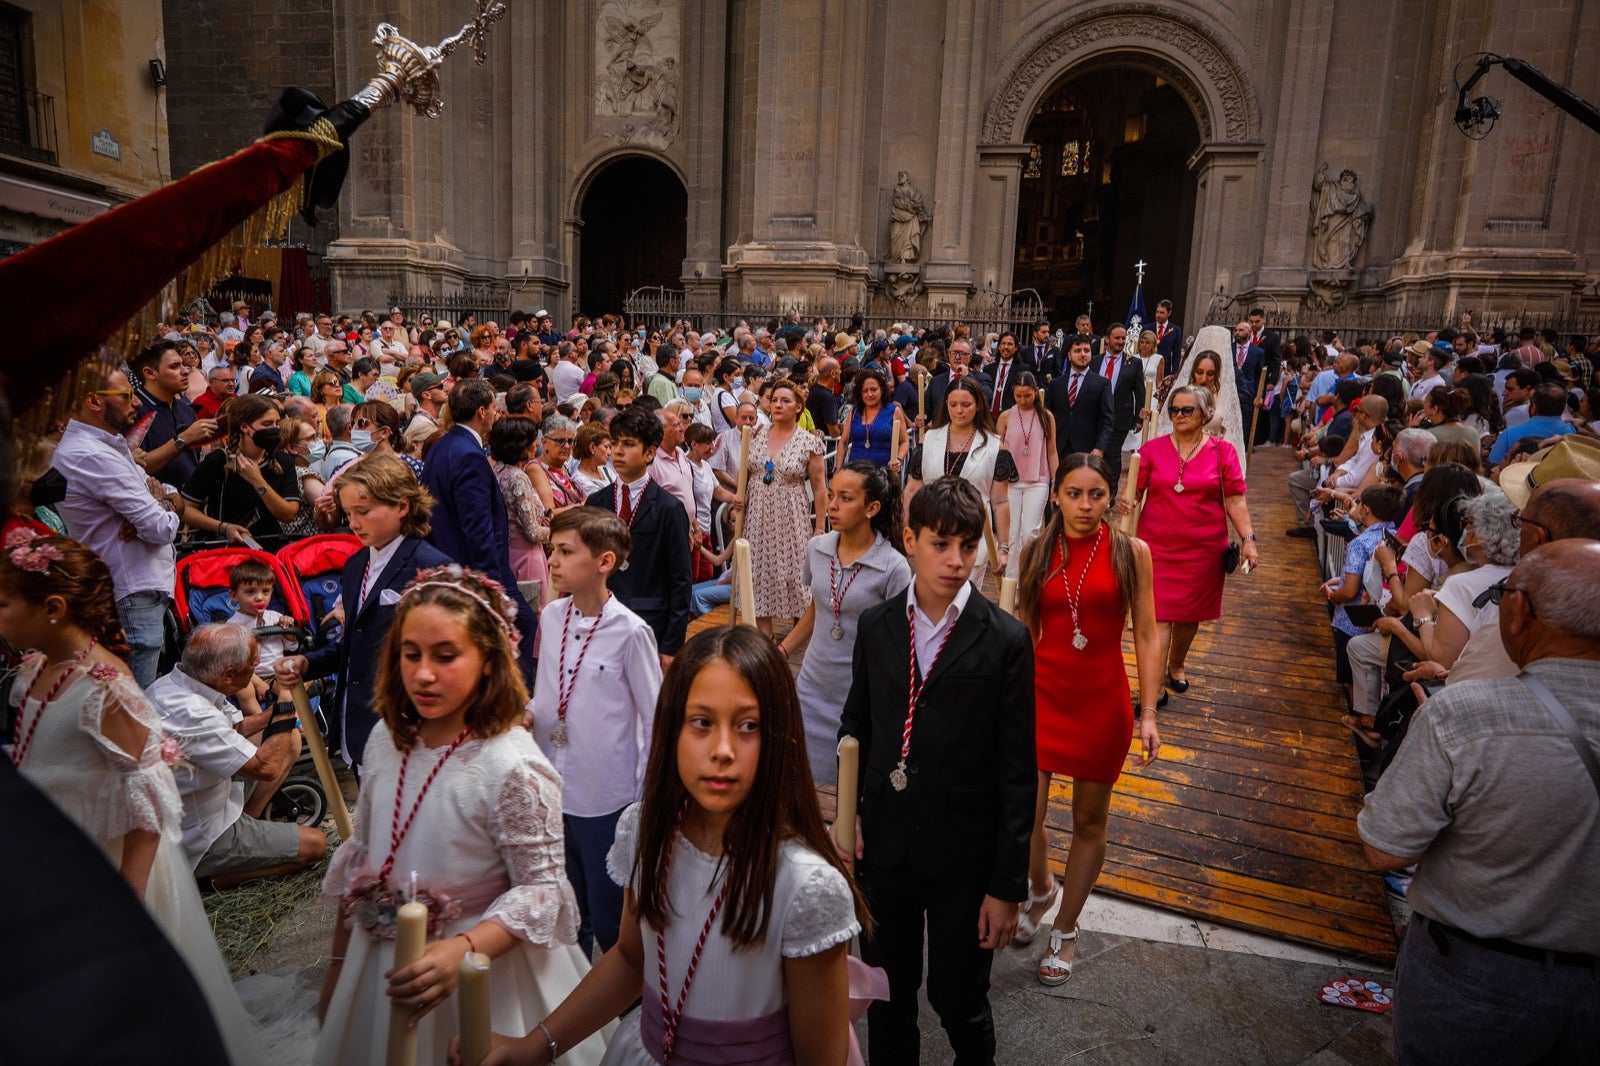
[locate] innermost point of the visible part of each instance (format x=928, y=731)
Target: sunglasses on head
x=1176, y=411
x=766, y=479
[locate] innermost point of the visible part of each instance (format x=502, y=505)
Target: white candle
x=747, y=585
x=472, y=1007
x=1130, y=521
x=410, y=938
x=844, y=823
x=1008, y=595
x=894, y=440
x=312, y=732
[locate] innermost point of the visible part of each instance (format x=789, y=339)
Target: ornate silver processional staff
x=410, y=70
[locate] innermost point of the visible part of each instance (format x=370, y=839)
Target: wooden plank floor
x=1248, y=818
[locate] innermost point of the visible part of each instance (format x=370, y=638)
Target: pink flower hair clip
x=35, y=560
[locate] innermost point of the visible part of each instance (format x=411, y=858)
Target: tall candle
x=410, y=937
x=988, y=538
x=744, y=479
x=922, y=406
x=1130, y=521
x=1149, y=423
x=1008, y=595
x=894, y=438
x=472, y=1007
x=312, y=732
x=844, y=822
x=746, y=580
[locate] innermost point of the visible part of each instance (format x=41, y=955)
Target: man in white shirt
x=1519, y=387
x=225, y=780
x=126, y=518
x=390, y=347
x=230, y=330
x=1428, y=365
x=566, y=376
x=725, y=456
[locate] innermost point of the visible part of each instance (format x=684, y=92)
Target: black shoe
x=1162, y=702
x=1303, y=532
x=1180, y=687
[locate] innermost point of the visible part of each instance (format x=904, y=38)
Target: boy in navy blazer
x=655, y=582
x=388, y=511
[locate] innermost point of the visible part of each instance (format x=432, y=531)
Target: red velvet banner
x=81, y=286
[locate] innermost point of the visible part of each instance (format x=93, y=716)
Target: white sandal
x=1054, y=962
x=1028, y=928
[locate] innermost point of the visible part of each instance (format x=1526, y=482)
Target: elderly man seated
x=223, y=770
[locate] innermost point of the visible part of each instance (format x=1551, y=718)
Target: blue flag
x=1136, y=315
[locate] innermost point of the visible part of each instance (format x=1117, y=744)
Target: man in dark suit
x=1080, y=401
x=1045, y=356
x=1084, y=327
x=1248, y=362
x=960, y=367
x=469, y=514
x=1272, y=348
x=946, y=814
x=1010, y=363
x=1169, y=338
x=655, y=581
x=1125, y=374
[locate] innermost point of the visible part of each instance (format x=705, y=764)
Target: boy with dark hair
x=941, y=701
x=593, y=722
x=654, y=581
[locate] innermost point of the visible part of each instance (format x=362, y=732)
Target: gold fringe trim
x=234, y=251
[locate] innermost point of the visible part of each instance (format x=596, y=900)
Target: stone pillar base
x=815, y=274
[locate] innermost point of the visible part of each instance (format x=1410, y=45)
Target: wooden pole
x=738, y=515
x=1255, y=414
x=319, y=756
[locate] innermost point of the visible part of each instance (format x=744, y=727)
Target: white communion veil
x=1228, y=422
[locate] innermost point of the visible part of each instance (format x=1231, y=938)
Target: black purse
x=1230, y=557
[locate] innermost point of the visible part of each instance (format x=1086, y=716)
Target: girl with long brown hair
x=1080, y=580
x=460, y=811
x=963, y=443
x=736, y=902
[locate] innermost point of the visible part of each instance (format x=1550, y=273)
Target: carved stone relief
x=1240, y=118
x=636, y=64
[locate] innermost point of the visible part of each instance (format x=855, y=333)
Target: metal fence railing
x=1354, y=323
x=482, y=305
x=986, y=312
x=28, y=126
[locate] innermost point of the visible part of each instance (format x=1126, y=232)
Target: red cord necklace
x=897, y=776
x=836, y=594
x=672, y=1015
x=564, y=686
x=399, y=829
x=22, y=739
x=1074, y=598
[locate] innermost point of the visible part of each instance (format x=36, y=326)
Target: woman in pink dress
x=1193, y=489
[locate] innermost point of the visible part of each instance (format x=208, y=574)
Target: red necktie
x=1072, y=388
x=1241, y=357
x=1161, y=331
x=1000, y=386
x=626, y=511
x=1112, y=365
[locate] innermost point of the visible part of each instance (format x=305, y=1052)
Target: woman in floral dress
x=778, y=517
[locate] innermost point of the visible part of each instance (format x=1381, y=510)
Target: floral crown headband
x=458, y=578
x=33, y=559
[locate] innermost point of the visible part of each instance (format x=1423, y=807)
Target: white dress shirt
x=105, y=492
x=611, y=707
x=1425, y=386
x=930, y=634
x=566, y=379
x=379, y=559
x=202, y=720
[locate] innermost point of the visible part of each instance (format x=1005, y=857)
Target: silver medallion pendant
x=897, y=777
x=558, y=735
x=1026, y=450
x=1079, y=641
x=1176, y=488
x=837, y=631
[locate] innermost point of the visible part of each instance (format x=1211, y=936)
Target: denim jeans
x=1476, y=1004
x=143, y=617
x=707, y=595
x=599, y=898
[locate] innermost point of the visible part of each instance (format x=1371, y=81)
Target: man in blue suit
x=1248, y=361
x=1169, y=338
x=469, y=514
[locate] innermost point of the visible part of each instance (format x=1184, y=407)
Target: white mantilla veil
x=1228, y=422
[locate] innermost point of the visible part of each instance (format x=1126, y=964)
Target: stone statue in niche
x=908, y=221
x=1340, y=215
x=636, y=69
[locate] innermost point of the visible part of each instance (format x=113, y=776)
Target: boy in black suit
x=941, y=700
x=655, y=581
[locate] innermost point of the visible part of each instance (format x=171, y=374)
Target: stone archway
x=1200, y=60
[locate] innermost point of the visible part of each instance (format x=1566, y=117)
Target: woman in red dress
x=1194, y=489
x=1084, y=714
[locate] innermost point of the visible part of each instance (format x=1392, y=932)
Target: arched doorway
x=635, y=232
x=1105, y=186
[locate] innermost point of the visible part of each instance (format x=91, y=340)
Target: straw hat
x=1574, y=456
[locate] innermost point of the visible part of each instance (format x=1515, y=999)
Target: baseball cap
x=423, y=382
x=903, y=341
x=541, y=313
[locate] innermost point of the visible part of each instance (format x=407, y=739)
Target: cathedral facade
x=932, y=154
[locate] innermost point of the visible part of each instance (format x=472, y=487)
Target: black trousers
x=903, y=905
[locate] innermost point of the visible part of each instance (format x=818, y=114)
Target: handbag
x=1234, y=551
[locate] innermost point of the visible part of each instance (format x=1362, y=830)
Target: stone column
x=705, y=35
x=805, y=79
x=947, y=247
x=537, y=273
x=994, y=249
x=1224, y=241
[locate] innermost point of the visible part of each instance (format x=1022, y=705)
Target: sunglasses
x=126, y=394
x=766, y=479
x=363, y=423
x=1176, y=411
x=563, y=442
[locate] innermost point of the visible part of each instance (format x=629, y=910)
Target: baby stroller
x=314, y=565
x=201, y=596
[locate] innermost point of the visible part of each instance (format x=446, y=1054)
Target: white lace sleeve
x=139, y=791
x=525, y=823
x=619, y=860
x=822, y=914
x=350, y=858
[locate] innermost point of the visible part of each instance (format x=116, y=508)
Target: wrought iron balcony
x=28, y=126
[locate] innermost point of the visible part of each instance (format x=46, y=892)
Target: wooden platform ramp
x=1248, y=818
